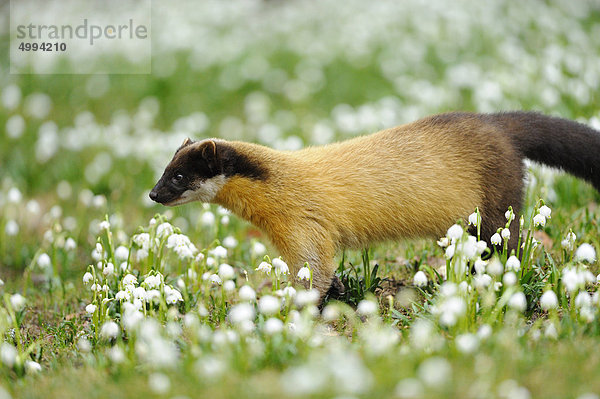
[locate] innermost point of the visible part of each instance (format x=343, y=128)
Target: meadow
x=106, y=294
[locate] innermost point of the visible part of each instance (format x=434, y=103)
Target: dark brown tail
x=557, y=142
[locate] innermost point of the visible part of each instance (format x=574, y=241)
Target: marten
x=414, y=180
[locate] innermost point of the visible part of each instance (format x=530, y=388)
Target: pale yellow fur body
x=388, y=185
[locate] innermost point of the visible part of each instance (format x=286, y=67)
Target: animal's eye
x=177, y=178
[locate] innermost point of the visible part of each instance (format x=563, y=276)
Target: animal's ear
x=208, y=150
x=185, y=143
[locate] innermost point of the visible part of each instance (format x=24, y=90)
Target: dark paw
x=336, y=290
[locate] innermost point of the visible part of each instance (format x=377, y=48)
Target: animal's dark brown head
x=194, y=174
x=199, y=169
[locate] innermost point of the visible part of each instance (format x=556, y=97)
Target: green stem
x=15, y=323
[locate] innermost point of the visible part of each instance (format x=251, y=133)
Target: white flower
x=172, y=296
x=87, y=278
x=549, y=300
x=32, y=367
x=109, y=269
x=258, y=249
x=420, y=279
x=226, y=272
x=230, y=242
x=207, y=219
x=505, y=234
x=586, y=252
x=304, y=273
x=159, y=383
x=435, y=371
x=121, y=253
x=518, y=301
x=122, y=295
x=480, y=266
x=450, y=310
x=129, y=279
x=496, y=239
x=11, y=228
x=468, y=248
x=273, y=326
x=583, y=299
x=14, y=195
x=44, y=261
x=240, y=313
x=264, y=267
x=139, y=293
x=268, y=305
x=109, y=330
x=550, y=331
x=473, y=219
x=367, y=307
x=509, y=279
x=448, y=289
x=219, y=252
x=280, y=267
x=141, y=255
x=225, y=222
x=545, y=211
x=443, y=242
x=247, y=293
x=142, y=240
x=467, y=343
x=70, y=244
x=17, y=302
x=455, y=232
x=450, y=251
x=289, y=292
x=482, y=281
x=570, y=278
x=104, y=225
x=587, y=313
x=8, y=354
x=229, y=286
x=511, y=389
x=215, y=279
x=539, y=220
x=182, y=246
x=513, y=263
x=164, y=230
x=509, y=215
x=148, y=296
x=308, y=297
x=485, y=331
x=330, y=313
x=116, y=354
x=91, y=308
x=481, y=246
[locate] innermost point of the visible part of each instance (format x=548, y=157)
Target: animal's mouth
x=178, y=201
x=166, y=202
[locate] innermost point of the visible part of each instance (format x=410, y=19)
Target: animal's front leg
x=318, y=251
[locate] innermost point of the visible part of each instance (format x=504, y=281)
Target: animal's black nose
x=153, y=195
